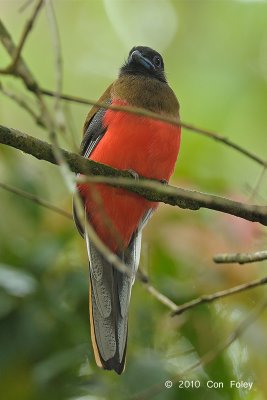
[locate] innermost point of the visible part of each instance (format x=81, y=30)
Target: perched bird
x=148, y=148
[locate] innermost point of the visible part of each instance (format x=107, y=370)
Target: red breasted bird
x=127, y=142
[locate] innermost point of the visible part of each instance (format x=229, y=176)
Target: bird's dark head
x=144, y=61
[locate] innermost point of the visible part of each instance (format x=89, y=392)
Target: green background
x=215, y=55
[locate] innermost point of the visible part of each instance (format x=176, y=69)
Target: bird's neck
x=145, y=92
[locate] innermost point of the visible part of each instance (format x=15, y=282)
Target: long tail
x=109, y=297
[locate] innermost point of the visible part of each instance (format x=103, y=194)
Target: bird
x=145, y=147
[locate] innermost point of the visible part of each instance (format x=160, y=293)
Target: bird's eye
x=157, y=61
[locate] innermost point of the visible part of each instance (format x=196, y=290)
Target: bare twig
x=151, y=289
x=21, y=68
x=240, y=258
x=27, y=29
x=23, y=104
x=23, y=72
x=208, y=298
x=59, y=116
x=151, y=190
x=258, y=183
x=208, y=357
x=35, y=199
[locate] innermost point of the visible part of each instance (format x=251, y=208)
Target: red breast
x=149, y=147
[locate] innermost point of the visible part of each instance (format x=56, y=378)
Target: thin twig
x=27, y=29
x=240, y=258
x=258, y=183
x=151, y=289
x=35, y=199
x=59, y=116
x=23, y=104
x=23, y=72
x=208, y=298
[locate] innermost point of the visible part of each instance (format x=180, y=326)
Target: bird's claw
x=133, y=173
x=164, y=182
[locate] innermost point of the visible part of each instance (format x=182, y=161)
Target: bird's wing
x=93, y=132
x=103, y=99
x=110, y=292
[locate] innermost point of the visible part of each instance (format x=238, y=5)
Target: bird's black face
x=144, y=61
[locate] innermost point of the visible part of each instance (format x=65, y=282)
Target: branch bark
x=240, y=258
x=151, y=190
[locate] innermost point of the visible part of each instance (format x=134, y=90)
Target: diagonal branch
x=35, y=199
x=155, y=293
x=28, y=27
x=149, y=189
x=23, y=104
x=21, y=68
x=208, y=298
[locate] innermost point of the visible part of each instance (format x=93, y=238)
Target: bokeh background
x=215, y=54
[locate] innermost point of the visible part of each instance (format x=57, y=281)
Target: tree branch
x=240, y=258
x=208, y=298
x=149, y=189
x=143, y=278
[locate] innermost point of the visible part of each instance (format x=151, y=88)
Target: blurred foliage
x=216, y=61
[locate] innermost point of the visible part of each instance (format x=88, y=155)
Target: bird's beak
x=137, y=57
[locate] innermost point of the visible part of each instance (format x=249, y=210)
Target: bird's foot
x=163, y=181
x=133, y=173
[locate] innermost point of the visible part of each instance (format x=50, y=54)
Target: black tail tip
x=113, y=365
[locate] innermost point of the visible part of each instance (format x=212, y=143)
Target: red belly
x=146, y=146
